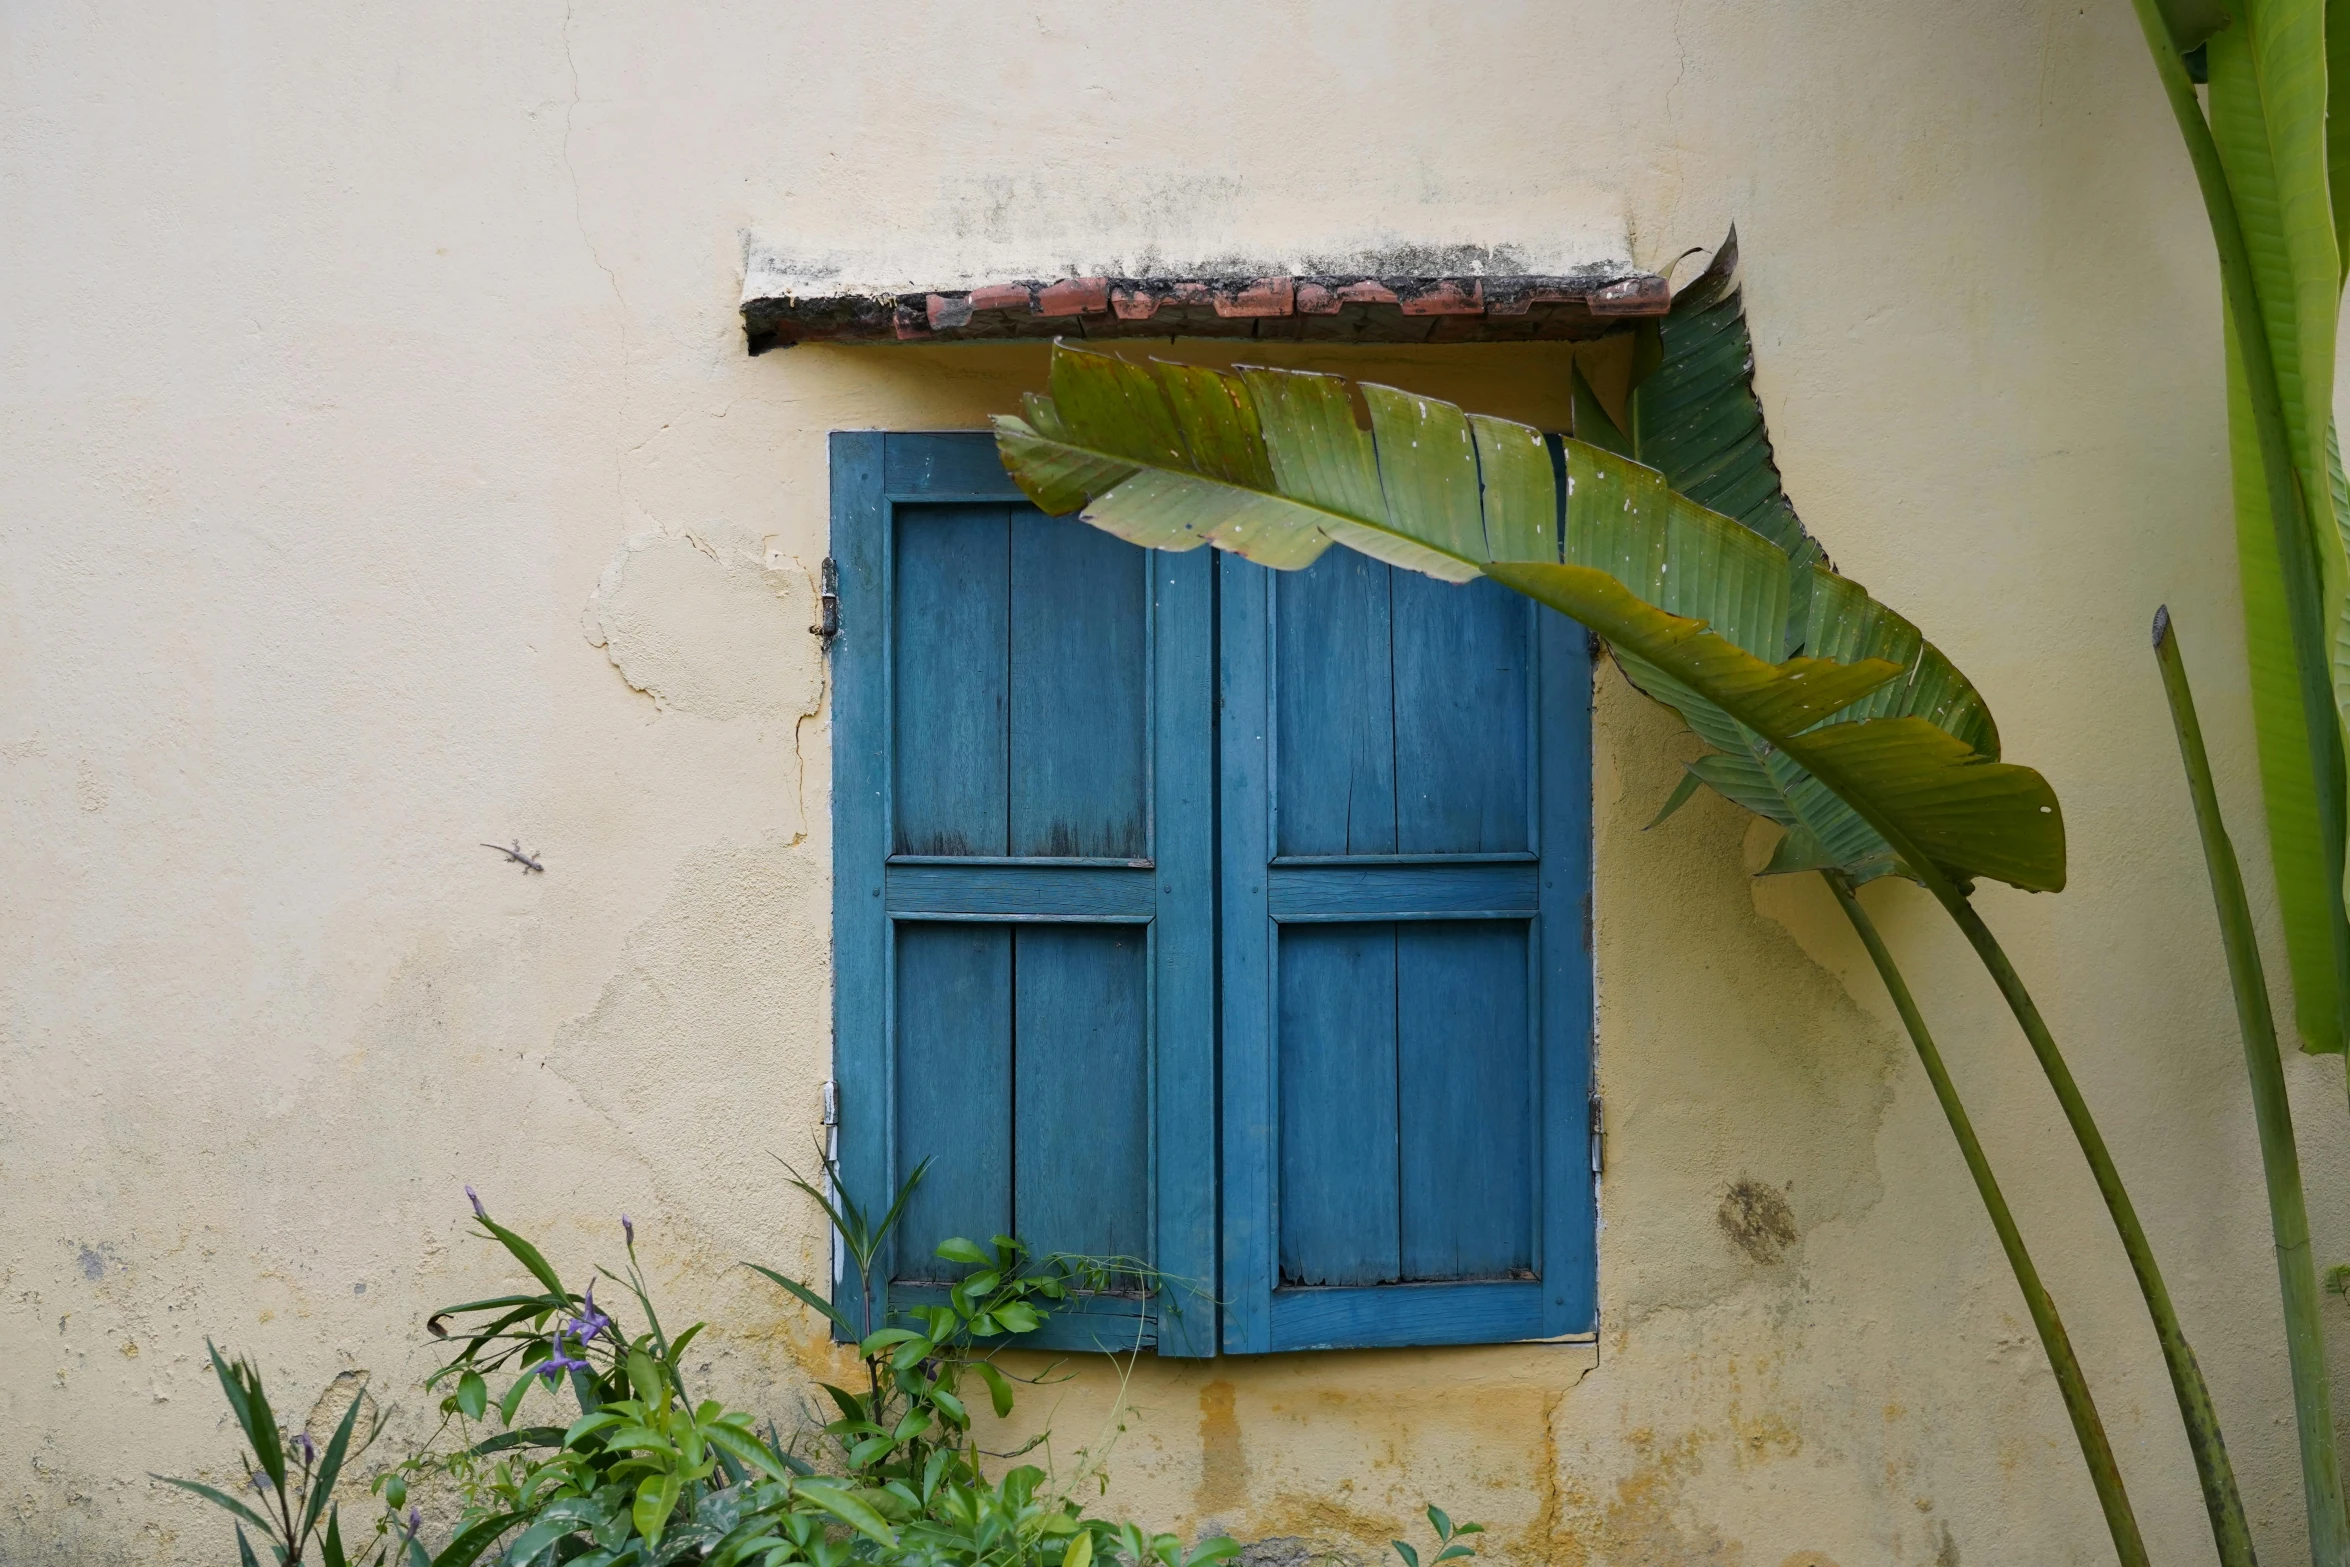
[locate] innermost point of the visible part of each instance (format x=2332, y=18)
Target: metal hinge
x=831, y=1103
x=1598, y=1135
x=828, y=604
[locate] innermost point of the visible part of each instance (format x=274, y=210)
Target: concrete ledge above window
x=787, y=302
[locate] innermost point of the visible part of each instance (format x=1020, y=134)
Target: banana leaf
x=2269, y=129
x=1697, y=421
x=1273, y=465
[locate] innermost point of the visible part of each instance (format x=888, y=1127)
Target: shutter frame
x=1261, y=1315
x=873, y=473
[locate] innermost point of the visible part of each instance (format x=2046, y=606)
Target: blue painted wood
x=1336, y=1087
x=1468, y=1095
x=1183, y=1063
x=1342, y=892
x=1081, y=1151
x=1080, y=697
x=1388, y=1314
x=861, y=819
x=1568, y=1230
x=1485, y=882
x=951, y=616
x=1334, y=748
x=1083, y=668
x=1463, y=656
x=954, y=1089
x=958, y=466
x=1245, y=941
x=1065, y=892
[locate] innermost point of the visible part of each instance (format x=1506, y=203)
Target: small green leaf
x=245, y=1556
x=999, y=1391
x=1018, y=1318
x=958, y=1249
x=1079, y=1553
x=848, y=1509
x=473, y=1395
x=645, y=1377
x=1452, y=1551
x=656, y=1498
x=466, y=1549
x=1411, y=1558
x=1440, y=1523
x=513, y=1399
x=1221, y=1548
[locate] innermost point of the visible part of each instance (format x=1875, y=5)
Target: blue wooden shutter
x=1406, y=987
x=1023, y=908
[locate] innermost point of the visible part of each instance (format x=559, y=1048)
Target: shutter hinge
x=831, y=1103
x=828, y=605
x=1598, y=1135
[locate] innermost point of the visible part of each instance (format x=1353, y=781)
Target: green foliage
x=1271, y=464
x=1450, y=1544
x=293, y=1481
x=599, y=1456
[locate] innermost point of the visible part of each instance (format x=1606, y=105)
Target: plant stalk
x=2072, y=1384
x=2280, y=1161
x=2288, y=515
x=2221, y=1499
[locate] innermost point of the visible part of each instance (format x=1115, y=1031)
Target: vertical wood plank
x=1462, y=746
x=1337, y=1075
x=1244, y=725
x=1081, y=1148
x=1079, y=695
x=861, y=819
x=951, y=613
x=1183, y=948
x=954, y=1089
x=1569, y=1229
x=1467, y=1092
x=1334, y=745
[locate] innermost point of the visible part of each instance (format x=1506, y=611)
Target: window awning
x=780, y=309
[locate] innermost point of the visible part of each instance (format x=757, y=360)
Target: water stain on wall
x=1757, y=1219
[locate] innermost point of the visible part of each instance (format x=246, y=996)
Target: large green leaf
x=1272, y=465
x=1697, y=420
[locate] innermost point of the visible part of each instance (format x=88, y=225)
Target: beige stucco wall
x=383, y=474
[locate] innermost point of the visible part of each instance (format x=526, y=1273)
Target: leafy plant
x=645, y=1475
x=1450, y=1544
x=1831, y=714
x=292, y=1479
x=2272, y=160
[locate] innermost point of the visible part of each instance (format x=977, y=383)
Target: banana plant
x=1841, y=722
x=2271, y=155
x=2270, y=147
x=1697, y=419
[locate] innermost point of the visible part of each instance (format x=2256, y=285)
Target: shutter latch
x=1598, y=1135
x=828, y=602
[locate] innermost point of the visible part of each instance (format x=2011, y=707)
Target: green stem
x=2220, y=1497
x=2296, y=550
x=2096, y=1450
x=2280, y=1161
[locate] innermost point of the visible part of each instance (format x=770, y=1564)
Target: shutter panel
x=1023, y=849
x=1406, y=1001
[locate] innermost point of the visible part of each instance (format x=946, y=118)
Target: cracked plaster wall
x=385, y=476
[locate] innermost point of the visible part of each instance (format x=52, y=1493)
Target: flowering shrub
x=643, y=1474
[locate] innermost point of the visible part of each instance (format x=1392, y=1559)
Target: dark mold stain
x=1757, y=1219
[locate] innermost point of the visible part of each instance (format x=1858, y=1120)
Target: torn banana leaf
x=1272, y=465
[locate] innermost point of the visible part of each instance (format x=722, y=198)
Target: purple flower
x=627, y=1230
x=474, y=1197
x=553, y=1367
x=415, y=1521
x=589, y=1322
x=307, y=1448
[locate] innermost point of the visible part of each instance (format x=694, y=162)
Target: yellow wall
x=383, y=474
